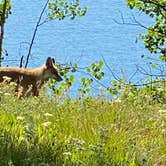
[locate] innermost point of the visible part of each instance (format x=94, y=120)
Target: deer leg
x=23, y=92
x=35, y=91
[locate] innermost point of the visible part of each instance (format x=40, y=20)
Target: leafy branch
x=155, y=38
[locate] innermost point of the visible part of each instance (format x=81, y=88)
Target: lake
x=83, y=40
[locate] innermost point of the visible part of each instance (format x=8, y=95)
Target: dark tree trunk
x=2, y=28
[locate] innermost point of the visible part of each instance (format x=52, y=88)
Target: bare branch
x=143, y=71
x=45, y=21
x=21, y=61
x=113, y=74
x=149, y=83
x=135, y=23
x=138, y=23
x=34, y=34
x=131, y=77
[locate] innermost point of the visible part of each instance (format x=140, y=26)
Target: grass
x=81, y=132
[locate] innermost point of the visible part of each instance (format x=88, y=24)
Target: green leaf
x=101, y=63
x=153, y=66
x=72, y=79
x=88, y=70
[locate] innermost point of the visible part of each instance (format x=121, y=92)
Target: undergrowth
x=128, y=131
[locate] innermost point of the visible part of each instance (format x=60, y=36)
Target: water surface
x=83, y=40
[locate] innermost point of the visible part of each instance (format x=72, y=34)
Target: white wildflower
x=67, y=153
x=118, y=100
x=46, y=124
x=5, y=78
x=48, y=115
x=13, y=84
x=20, y=118
x=7, y=94
x=162, y=111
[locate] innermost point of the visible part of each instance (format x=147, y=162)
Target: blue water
x=83, y=40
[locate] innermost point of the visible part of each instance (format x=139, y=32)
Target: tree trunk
x=2, y=28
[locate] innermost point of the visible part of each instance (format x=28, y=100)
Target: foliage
x=91, y=132
x=7, y=12
x=59, y=9
x=95, y=73
x=155, y=39
x=59, y=89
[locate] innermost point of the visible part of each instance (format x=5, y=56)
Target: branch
x=21, y=61
x=132, y=76
x=157, y=4
x=136, y=22
x=70, y=67
x=106, y=64
x=34, y=34
x=143, y=71
x=149, y=83
x=45, y=21
x=96, y=80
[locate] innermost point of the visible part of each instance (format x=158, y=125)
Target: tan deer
x=31, y=77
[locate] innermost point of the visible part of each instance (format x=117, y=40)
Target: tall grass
x=89, y=132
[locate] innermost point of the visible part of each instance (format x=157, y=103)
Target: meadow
x=89, y=131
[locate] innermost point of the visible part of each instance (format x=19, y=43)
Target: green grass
x=81, y=132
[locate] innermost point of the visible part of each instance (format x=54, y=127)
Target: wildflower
x=162, y=111
x=48, y=115
x=7, y=94
x=6, y=79
x=46, y=124
x=67, y=154
x=118, y=100
x=20, y=118
x=13, y=84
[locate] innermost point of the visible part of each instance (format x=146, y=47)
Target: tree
x=5, y=8
x=155, y=38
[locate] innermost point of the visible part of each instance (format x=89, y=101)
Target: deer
x=26, y=77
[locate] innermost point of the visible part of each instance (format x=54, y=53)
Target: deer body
x=31, y=77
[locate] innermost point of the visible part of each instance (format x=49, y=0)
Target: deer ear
x=49, y=62
x=53, y=61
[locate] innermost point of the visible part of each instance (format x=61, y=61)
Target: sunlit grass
x=91, y=132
